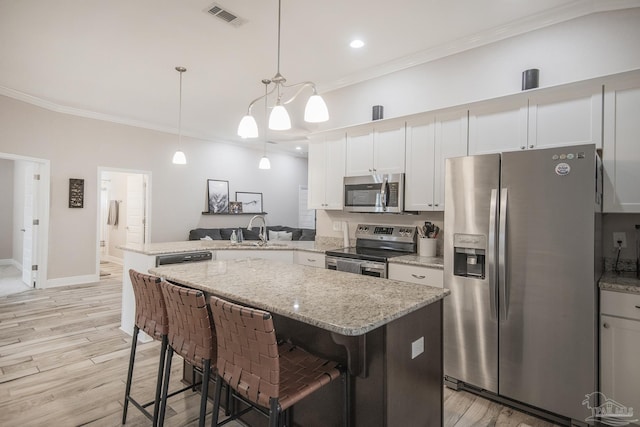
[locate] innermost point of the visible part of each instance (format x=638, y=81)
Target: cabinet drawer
x=620, y=304
x=312, y=259
x=414, y=274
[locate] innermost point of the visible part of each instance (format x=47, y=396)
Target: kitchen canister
x=426, y=246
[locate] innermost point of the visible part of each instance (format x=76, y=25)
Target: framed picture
x=76, y=193
x=251, y=202
x=218, y=196
x=235, y=207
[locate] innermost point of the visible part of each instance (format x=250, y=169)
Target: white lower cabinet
x=416, y=274
x=312, y=259
x=274, y=255
x=620, y=348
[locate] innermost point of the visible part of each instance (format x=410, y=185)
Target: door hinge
x=36, y=177
x=36, y=222
x=34, y=267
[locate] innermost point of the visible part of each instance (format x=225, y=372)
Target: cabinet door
x=621, y=149
x=570, y=117
x=619, y=350
x=360, y=152
x=334, y=167
x=451, y=141
x=389, y=148
x=497, y=127
x=316, y=173
x=418, y=185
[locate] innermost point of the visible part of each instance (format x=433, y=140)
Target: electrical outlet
x=337, y=226
x=619, y=236
x=417, y=347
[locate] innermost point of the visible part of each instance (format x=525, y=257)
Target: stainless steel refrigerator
x=521, y=259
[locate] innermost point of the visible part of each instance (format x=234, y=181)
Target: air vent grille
x=224, y=14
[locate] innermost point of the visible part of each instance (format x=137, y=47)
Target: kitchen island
x=388, y=333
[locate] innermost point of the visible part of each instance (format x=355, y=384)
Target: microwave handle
x=383, y=194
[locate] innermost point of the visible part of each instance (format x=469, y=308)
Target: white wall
x=76, y=148
x=6, y=209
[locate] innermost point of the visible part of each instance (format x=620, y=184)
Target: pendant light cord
x=279, y=19
x=180, y=110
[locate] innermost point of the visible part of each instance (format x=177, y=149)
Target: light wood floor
x=63, y=362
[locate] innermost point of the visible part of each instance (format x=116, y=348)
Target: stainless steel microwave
x=374, y=193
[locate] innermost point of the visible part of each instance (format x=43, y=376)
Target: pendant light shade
x=179, y=158
x=279, y=118
x=316, y=110
x=248, y=128
x=264, y=163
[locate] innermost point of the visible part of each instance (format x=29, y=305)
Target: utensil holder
x=426, y=246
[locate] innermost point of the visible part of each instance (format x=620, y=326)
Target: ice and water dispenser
x=469, y=257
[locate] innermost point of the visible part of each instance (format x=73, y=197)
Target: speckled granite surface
x=214, y=245
x=345, y=303
x=623, y=282
x=422, y=261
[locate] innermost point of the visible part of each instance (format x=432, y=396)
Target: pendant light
x=314, y=112
x=264, y=161
x=179, y=158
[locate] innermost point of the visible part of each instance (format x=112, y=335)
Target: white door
x=30, y=234
x=136, y=196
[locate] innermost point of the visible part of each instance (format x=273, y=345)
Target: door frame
x=147, y=232
x=41, y=256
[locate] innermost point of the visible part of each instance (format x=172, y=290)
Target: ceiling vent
x=225, y=15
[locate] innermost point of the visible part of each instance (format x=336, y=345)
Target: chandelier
x=314, y=112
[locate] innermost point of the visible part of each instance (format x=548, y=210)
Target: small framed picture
x=76, y=193
x=218, y=196
x=251, y=202
x=235, y=207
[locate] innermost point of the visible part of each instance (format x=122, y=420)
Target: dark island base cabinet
x=397, y=390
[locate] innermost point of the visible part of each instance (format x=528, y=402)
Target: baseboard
x=112, y=259
x=73, y=280
x=10, y=261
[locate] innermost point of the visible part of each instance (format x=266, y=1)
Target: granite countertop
x=623, y=282
x=214, y=245
x=344, y=303
x=421, y=261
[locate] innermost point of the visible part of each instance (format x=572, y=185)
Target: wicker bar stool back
x=151, y=318
x=269, y=376
x=191, y=335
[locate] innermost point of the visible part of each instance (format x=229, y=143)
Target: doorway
x=25, y=222
x=123, y=212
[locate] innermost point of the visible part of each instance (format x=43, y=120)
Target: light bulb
x=264, y=163
x=179, y=158
x=316, y=110
x=279, y=118
x=248, y=128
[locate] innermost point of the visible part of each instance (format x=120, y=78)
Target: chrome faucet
x=263, y=228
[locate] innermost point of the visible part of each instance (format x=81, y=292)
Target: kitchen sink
x=255, y=244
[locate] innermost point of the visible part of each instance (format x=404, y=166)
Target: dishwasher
x=181, y=258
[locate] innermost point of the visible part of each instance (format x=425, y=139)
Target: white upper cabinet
x=375, y=149
x=621, y=146
x=431, y=139
x=546, y=118
x=326, y=171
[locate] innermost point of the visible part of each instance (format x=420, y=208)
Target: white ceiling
x=115, y=59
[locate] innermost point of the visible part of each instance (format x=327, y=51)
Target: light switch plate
x=417, y=347
x=619, y=236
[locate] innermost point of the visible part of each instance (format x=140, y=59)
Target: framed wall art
x=76, y=193
x=218, y=196
x=235, y=207
x=251, y=202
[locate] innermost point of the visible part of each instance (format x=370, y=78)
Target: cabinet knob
x=522, y=147
x=430, y=204
x=605, y=325
x=418, y=277
x=436, y=204
x=311, y=260
x=531, y=146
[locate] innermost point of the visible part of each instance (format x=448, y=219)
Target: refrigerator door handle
x=502, y=259
x=491, y=258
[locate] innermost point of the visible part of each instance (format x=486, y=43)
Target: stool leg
x=216, y=401
x=204, y=390
x=274, y=413
x=347, y=398
x=132, y=358
x=165, y=387
x=163, y=357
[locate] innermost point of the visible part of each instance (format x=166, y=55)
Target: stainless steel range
x=375, y=244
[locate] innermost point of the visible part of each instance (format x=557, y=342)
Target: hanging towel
x=114, y=211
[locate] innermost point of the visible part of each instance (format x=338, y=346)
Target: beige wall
x=6, y=209
x=77, y=146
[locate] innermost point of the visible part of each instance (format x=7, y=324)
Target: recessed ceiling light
x=356, y=44
x=298, y=148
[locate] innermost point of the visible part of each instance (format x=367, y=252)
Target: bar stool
x=191, y=335
x=269, y=377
